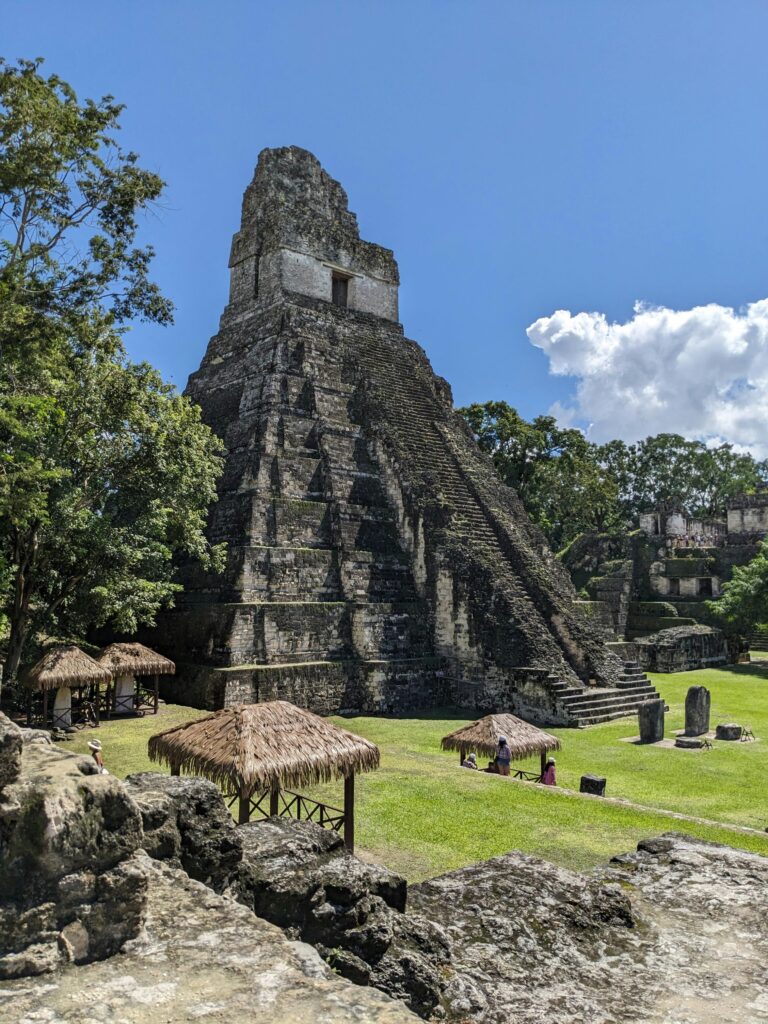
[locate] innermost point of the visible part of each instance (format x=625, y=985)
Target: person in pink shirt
x=548, y=777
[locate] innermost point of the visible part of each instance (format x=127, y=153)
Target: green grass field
x=421, y=814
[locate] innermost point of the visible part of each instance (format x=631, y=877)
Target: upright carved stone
x=697, y=704
x=375, y=561
x=651, y=717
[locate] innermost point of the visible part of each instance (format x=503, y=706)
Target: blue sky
x=519, y=157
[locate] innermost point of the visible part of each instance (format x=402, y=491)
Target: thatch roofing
x=262, y=746
x=65, y=666
x=135, y=660
x=483, y=736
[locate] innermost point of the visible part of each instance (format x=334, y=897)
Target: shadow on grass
x=419, y=715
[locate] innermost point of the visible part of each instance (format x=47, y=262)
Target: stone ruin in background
x=649, y=588
x=375, y=560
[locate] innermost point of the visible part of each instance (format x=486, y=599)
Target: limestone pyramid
x=375, y=561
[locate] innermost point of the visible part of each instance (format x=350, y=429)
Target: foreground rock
x=677, y=931
x=71, y=888
x=527, y=941
x=300, y=876
x=187, y=823
x=200, y=957
x=532, y=943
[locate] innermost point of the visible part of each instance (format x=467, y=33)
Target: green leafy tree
x=105, y=472
x=554, y=470
x=108, y=476
x=668, y=469
x=744, y=600
x=70, y=197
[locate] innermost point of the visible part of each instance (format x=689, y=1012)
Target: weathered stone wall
x=683, y=648
x=748, y=516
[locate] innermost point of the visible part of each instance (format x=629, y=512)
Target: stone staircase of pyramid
x=593, y=705
x=758, y=638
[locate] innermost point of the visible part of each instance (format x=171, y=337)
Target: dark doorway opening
x=339, y=290
x=674, y=588
x=705, y=587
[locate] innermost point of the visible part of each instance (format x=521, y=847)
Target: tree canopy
x=106, y=472
x=743, y=603
x=570, y=485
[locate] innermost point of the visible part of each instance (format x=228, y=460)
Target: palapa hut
x=257, y=753
x=75, y=677
x=130, y=664
x=524, y=739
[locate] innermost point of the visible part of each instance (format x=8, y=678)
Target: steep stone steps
x=435, y=459
x=758, y=639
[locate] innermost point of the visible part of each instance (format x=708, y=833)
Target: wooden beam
x=274, y=809
x=157, y=694
x=175, y=769
x=243, y=807
x=349, y=812
x=543, y=761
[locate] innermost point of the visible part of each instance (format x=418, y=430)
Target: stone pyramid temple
x=375, y=561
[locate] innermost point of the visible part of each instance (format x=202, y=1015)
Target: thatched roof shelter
x=482, y=736
x=65, y=666
x=255, y=748
x=132, y=659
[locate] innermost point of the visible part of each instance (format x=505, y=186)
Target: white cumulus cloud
x=700, y=372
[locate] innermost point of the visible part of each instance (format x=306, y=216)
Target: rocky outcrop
x=71, y=888
x=186, y=822
x=675, y=931
x=200, y=957
x=300, y=877
x=526, y=940
x=10, y=752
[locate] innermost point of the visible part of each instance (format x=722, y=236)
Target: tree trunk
x=16, y=641
x=26, y=550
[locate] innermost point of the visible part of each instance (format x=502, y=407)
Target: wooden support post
x=462, y=751
x=543, y=761
x=45, y=707
x=274, y=809
x=244, y=807
x=349, y=812
x=175, y=769
x=156, y=701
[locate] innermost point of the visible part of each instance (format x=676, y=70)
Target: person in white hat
x=95, y=748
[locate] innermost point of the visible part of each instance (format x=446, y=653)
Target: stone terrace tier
x=375, y=562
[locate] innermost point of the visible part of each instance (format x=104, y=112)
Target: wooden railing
x=518, y=773
x=291, y=805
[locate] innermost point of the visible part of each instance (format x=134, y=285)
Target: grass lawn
x=421, y=814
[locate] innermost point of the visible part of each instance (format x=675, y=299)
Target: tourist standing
x=503, y=756
x=548, y=775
